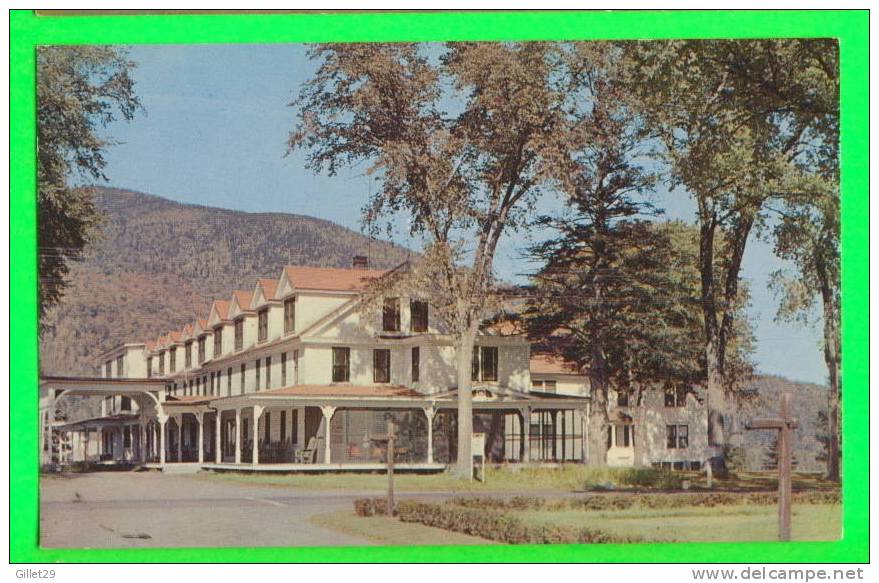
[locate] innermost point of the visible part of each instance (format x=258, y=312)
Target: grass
x=391, y=531
x=692, y=524
x=567, y=478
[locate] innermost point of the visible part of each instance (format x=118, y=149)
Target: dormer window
x=149, y=367
x=107, y=369
x=391, y=315
x=202, y=348
x=289, y=315
x=119, y=366
x=172, y=360
x=218, y=341
x=187, y=357
x=162, y=363
x=239, y=333
x=262, y=325
x=418, y=315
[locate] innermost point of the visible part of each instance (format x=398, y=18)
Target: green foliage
x=487, y=523
x=79, y=90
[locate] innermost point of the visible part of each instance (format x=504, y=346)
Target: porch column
x=237, y=435
x=163, y=421
x=199, y=416
x=178, y=420
x=429, y=413
x=525, y=445
x=217, y=442
x=257, y=412
x=328, y=416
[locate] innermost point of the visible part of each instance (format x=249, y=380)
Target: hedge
x=485, y=523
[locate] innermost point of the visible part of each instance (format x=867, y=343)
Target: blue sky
x=214, y=133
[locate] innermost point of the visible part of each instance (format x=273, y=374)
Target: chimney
x=360, y=262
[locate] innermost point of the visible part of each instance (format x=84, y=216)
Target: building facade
x=298, y=372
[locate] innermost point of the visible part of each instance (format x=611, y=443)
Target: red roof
x=550, y=364
x=222, y=307
x=174, y=336
x=243, y=298
x=269, y=286
x=343, y=391
x=331, y=279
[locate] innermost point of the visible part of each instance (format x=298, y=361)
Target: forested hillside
x=160, y=263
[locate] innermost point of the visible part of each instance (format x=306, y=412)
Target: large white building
x=295, y=374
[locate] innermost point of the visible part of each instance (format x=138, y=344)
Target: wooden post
x=784, y=470
x=784, y=424
x=390, y=455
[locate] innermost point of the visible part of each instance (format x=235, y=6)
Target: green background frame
x=851, y=28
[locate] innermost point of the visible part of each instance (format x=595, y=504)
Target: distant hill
x=160, y=263
x=807, y=400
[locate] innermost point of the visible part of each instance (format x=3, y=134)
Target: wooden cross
x=784, y=423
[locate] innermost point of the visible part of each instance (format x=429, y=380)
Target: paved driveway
x=151, y=509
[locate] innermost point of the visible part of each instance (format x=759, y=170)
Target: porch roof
x=104, y=421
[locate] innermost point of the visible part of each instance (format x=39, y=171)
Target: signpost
x=783, y=424
x=388, y=442
x=477, y=448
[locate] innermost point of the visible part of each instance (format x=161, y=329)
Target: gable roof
x=551, y=364
x=331, y=279
x=241, y=300
x=221, y=309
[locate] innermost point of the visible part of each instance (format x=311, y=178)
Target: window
x=126, y=436
x=262, y=333
x=268, y=372
x=622, y=435
x=341, y=364
x=187, y=356
x=161, y=363
x=243, y=373
x=677, y=436
x=218, y=341
x=484, y=363
x=125, y=403
x=675, y=397
x=239, y=333
x=381, y=365
x=202, y=348
x=391, y=315
x=268, y=426
x=213, y=380
x=118, y=366
x=416, y=364
x=418, y=314
x=258, y=364
x=283, y=426
x=150, y=366
x=283, y=369
x=172, y=360
x=229, y=382
x=197, y=386
x=296, y=367
x=289, y=315
x=622, y=398
x=549, y=386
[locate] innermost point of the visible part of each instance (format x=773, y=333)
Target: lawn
x=390, y=531
x=568, y=478
x=700, y=524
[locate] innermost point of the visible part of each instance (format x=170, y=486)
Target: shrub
x=463, y=515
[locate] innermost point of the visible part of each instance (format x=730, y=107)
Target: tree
x=733, y=117
x=808, y=236
x=79, y=90
x=462, y=179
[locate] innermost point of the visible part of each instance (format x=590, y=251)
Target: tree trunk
x=832, y=359
x=639, y=429
x=464, y=466
x=715, y=397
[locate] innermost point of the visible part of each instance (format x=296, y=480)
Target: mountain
x=807, y=402
x=160, y=263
